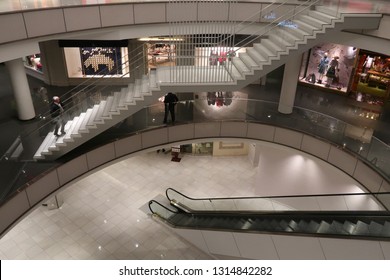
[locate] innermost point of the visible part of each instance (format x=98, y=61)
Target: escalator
x=362, y=224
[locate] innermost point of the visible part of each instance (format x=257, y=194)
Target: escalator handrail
x=162, y=206
x=276, y=196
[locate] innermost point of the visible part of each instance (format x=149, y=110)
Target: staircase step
x=270, y=45
x=122, y=104
x=75, y=131
x=38, y=154
x=153, y=79
x=249, y=62
x=115, y=104
x=68, y=135
x=51, y=142
x=264, y=51
x=145, y=87
x=349, y=227
x=283, y=38
x=61, y=140
x=91, y=121
x=241, y=66
x=236, y=74
x=107, y=106
x=323, y=227
x=137, y=90
x=256, y=56
x=313, y=21
x=130, y=95
x=83, y=126
x=99, y=115
x=307, y=28
x=322, y=16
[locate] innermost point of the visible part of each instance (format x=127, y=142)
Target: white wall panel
x=386, y=249
x=42, y=188
x=82, y=18
x=149, y=13
x=113, y=15
x=288, y=137
x=213, y=11
x=101, y=155
x=245, y=12
x=72, y=169
x=342, y=160
x=181, y=12
x=207, y=129
x=315, y=147
x=13, y=209
x=261, y=132
x=234, y=129
x=12, y=28
x=154, y=137
x=193, y=236
x=221, y=243
x=181, y=132
x=345, y=249
x=256, y=246
x=44, y=22
x=298, y=248
x=368, y=177
x=128, y=145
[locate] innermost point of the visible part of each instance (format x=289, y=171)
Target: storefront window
x=33, y=62
x=371, y=83
x=328, y=66
x=97, y=61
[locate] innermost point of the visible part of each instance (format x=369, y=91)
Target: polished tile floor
x=104, y=216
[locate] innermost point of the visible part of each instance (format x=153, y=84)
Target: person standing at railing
x=57, y=114
x=170, y=101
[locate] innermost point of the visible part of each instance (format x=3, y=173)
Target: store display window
x=33, y=62
x=371, y=83
x=328, y=66
x=161, y=54
x=97, y=61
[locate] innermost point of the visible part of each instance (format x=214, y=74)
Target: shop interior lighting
x=158, y=39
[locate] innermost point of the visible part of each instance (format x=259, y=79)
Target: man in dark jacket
x=170, y=101
x=56, y=111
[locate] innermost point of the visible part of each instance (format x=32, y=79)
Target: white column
x=289, y=84
x=24, y=103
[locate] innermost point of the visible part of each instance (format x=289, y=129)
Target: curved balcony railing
x=16, y=174
x=376, y=153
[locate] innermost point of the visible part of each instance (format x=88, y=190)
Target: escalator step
x=323, y=227
x=312, y=226
x=349, y=226
x=386, y=229
x=375, y=228
x=361, y=229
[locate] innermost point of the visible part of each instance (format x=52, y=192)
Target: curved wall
x=28, y=198
x=134, y=21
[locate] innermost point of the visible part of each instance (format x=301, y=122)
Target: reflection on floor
x=104, y=215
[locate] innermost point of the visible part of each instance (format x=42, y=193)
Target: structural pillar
x=23, y=99
x=289, y=84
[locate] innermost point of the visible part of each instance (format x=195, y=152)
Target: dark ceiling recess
x=91, y=43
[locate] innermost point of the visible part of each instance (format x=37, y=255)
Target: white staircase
x=272, y=51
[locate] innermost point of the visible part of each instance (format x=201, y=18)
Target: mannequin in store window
x=333, y=69
x=368, y=63
x=322, y=67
